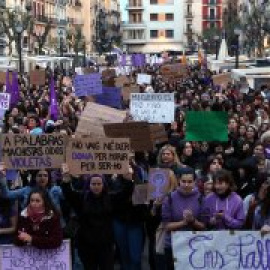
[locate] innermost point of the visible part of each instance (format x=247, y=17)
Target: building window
x=169, y=16
x=153, y=33
x=212, y=13
x=153, y=17
x=153, y=2
x=169, y=33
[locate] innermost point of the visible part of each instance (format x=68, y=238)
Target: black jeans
x=169, y=259
x=96, y=257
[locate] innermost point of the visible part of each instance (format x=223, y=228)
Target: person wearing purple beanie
x=223, y=209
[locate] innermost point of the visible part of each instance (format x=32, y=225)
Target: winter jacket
x=94, y=216
x=232, y=208
x=47, y=235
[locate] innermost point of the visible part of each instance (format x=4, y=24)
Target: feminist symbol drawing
x=158, y=180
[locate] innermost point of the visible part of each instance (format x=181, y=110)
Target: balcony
x=189, y=15
x=212, y=18
x=189, y=1
x=189, y=33
x=78, y=3
x=132, y=41
x=45, y=19
x=134, y=6
x=62, y=22
x=75, y=21
x=212, y=3
x=134, y=25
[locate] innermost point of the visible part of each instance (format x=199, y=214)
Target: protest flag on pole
x=8, y=85
x=53, y=101
x=15, y=95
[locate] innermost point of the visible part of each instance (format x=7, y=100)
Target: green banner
x=207, y=126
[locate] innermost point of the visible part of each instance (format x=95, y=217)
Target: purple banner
x=88, y=85
x=111, y=97
x=15, y=95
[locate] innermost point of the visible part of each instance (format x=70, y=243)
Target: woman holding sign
x=39, y=223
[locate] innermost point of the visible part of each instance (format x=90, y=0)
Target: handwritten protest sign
x=207, y=126
x=27, y=257
x=158, y=183
x=94, y=116
x=4, y=101
x=24, y=151
x=241, y=250
x=144, y=79
x=104, y=156
x=120, y=81
x=174, y=69
x=87, y=85
x=37, y=77
x=222, y=79
x=111, y=96
x=153, y=108
x=139, y=195
x=127, y=90
x=143, y=136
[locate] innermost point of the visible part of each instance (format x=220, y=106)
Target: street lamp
x=19, y=31
x=237, y=32
x=84, y=54
x=216, y=38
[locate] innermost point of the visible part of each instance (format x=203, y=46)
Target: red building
x=211, y=14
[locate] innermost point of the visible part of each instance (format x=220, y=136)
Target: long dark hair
x=223, y=175
x=33, y=182
x=266, y=203
x=48, y=204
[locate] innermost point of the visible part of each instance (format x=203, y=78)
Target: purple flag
x=123, y=60
x=15, y=95
x=133, y=60
x=8, y=85
x=53, y=101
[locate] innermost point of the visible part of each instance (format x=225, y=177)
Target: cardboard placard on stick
x=139, y=195
x=127, y=90
x=142, y=135
x=94, y=116
x=102, y=156
x=3, y=77
x=37, y=77
x=222, y=79
x=33, y=152
x=158, y=183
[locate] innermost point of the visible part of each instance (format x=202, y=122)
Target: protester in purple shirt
x=181, y=210
x=223, y=209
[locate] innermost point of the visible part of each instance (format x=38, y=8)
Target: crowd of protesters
x=213, y=185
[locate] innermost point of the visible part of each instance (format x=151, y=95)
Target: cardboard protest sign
x=139, y=195
x=3, y=77
x=94, y=116
x=127, y=90
x=222, y=79
x=89, y=70
x=103, y=156
x=120, y=81
x=158, y=183
x=108, y=73
x=177, y=69
x=144, y=79
x=4, y=101
x=32, y=152
x=153, y=108
x=207, y=126
x=87, y=85
x=111, y=96
x=37, y=77
x=143, y=136
x=29, y=257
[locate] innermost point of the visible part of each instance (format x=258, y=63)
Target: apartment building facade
x=154, y=26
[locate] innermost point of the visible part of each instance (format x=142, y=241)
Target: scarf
x=36, y=214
